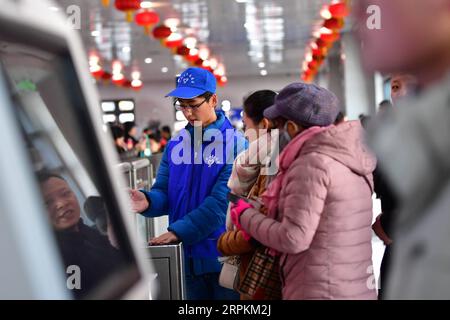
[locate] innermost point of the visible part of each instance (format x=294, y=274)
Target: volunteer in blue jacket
x=191, y=185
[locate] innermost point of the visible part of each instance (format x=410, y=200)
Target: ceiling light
x=135, y=75
x=263, y=73
x=261, y=64
x=325, y=13
x=164, y=69
x=203, y=53
x=172, y=23
x=146, y=5
x=148, y=60
x=95, y=33
x=190, y=42
x=136, y=83
x=213, y=63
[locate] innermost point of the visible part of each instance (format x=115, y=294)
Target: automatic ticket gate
x=168, y=260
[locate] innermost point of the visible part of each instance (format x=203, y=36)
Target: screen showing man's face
x=62, y=204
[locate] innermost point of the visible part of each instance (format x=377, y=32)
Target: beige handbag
x=229, y=275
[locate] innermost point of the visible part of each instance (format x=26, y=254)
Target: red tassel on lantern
x=128, y=6
x=147, y=19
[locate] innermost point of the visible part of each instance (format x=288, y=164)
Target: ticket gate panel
x=168, y=263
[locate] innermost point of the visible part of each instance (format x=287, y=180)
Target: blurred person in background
x=118, y=136
x=166, y=135
x=402, y=86
x=320, y=204
x=413, y=146
x=130, y=133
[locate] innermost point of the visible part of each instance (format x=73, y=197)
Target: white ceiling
x=219, y=22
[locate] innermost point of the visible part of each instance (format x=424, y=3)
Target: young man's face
x=199, y=109
x=411, y=33
x=62, y=204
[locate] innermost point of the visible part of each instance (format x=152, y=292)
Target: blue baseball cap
x=194, y=82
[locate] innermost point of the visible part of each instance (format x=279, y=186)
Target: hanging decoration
x=129, y=7
x=323, y=39
x=146, y=18
x=188, y=48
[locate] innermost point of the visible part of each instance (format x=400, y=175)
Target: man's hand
x=378, y=229
x=166, y=238
x=139, y=202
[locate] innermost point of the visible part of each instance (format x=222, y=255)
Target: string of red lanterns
x=190, y=52
x=323, y=40
x=146, y=18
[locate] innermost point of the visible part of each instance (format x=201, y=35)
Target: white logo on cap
x=186, y=78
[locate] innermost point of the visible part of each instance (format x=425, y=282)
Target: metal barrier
x=168, y=260
x=142, y=178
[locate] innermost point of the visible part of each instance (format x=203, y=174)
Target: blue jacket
x=193, y=191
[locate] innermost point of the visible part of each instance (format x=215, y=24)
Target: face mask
x=285, y=138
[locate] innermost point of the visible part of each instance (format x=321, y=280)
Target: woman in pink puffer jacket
x=320, y=204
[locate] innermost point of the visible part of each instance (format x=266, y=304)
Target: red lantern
x=222, y=81
x=192, y=58
x=118, y=79
x=323, y=45
x=339, y=10
x=136, y=85
x=313, y=65
x=97, y=74
x=126, y=83
x=198, y=62
x=183, y=51
x=128, y=6
x=173, y=44
x=207, y=68
x=161, y=32
x=146, y=19
x=106, y=76
x=334, y=23
x=330, y=37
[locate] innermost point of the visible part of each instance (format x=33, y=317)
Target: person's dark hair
x=45, y=175
x=385, y=104
x=117, y=132
x=166, y=129
x=257, y=102
x=207, y=95
x=154, y=137
x=340, y=117
x=364, y=120
x=127, y=126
